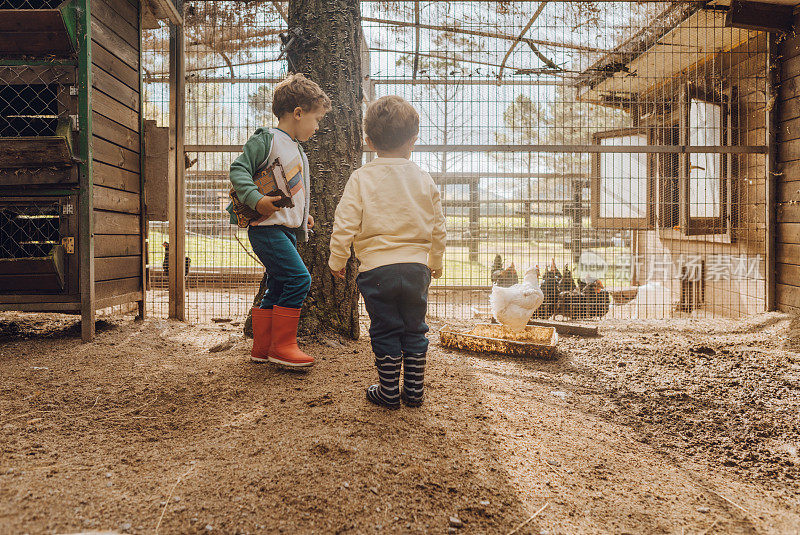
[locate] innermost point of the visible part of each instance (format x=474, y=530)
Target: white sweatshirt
x=391, y=213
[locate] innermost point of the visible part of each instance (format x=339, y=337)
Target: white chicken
x=514, y=306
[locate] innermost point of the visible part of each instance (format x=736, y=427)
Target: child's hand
x=339, y=274
x=265, y=206
x=310, y=221
x=436, y=273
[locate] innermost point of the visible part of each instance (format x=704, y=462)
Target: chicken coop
x=642, y=154
x=72, y=207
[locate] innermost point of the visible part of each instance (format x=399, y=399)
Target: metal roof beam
x=494, y=35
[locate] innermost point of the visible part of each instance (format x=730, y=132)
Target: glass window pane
x=623, y=179
x=705, y=170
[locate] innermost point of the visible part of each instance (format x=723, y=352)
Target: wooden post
x=526, y=206
x=576, y=240
x=770, y=300
x=474, y=218
x=177, y=221
x=367, y=84
x=85, y=197
x=143, y=220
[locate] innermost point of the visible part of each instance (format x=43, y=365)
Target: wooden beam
x=168, y=8
x=771, y=90
x=589, y=149
x=759, y=16
x=471, y=81
x=568, y=328
x=367, y=84
x=144, y=222
x=374, y=81
x=42, y=307
x=120, y=299
x=177, y=222
x=435, y=56
x=85, y=176
x=416, y=40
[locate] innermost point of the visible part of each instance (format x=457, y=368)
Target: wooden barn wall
x=115, y=124
x=787, y=186
x=745, y=70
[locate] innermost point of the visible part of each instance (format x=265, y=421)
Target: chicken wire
x=622, y=142
x=33, y=99
x=29, y=229
x=30, y=4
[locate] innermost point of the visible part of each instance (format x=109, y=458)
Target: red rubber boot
x=284, y=348
x=262, y=334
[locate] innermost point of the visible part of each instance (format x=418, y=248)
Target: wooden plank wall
x=115, y=123
x=742, y=68
x=787, y=187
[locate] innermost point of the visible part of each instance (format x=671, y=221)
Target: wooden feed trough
x=533, y=341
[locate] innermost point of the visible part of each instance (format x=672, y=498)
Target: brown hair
x=390, y=121
x=298, y=91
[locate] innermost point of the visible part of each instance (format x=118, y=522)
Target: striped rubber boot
x=387, y=392
x=413, y=379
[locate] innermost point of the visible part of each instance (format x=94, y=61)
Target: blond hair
x=298, y=91
x=390, y=122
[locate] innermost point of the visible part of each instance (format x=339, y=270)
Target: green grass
x=206, y=251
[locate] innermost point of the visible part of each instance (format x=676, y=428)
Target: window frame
x=621, y=223
x=694, y=225
x=664, y=183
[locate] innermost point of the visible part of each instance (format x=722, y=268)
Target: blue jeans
x=396, y=299
x=288, y=280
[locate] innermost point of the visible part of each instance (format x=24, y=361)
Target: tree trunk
x=329, y=52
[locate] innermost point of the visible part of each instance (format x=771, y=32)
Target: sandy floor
x=688, y=429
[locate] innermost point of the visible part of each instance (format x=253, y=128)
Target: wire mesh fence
x=618, y=146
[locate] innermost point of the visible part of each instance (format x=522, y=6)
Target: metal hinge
x=69, y=244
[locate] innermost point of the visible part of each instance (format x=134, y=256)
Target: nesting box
x=71, y=228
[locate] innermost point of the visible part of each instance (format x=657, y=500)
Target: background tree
x=523, y=121
x=260, y=105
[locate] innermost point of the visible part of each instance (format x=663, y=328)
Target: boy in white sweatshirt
x=391, y=213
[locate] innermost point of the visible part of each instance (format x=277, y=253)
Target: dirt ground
x=689, y=427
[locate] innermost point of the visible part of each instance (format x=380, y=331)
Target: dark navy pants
x=288, y=279
x=396, y=298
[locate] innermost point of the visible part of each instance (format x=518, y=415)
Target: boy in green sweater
x=299, y=104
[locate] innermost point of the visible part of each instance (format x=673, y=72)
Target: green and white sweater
x=261, y=149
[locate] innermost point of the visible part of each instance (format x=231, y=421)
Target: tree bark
x=329, y=52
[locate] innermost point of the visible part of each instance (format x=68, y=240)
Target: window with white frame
x=620, y=186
